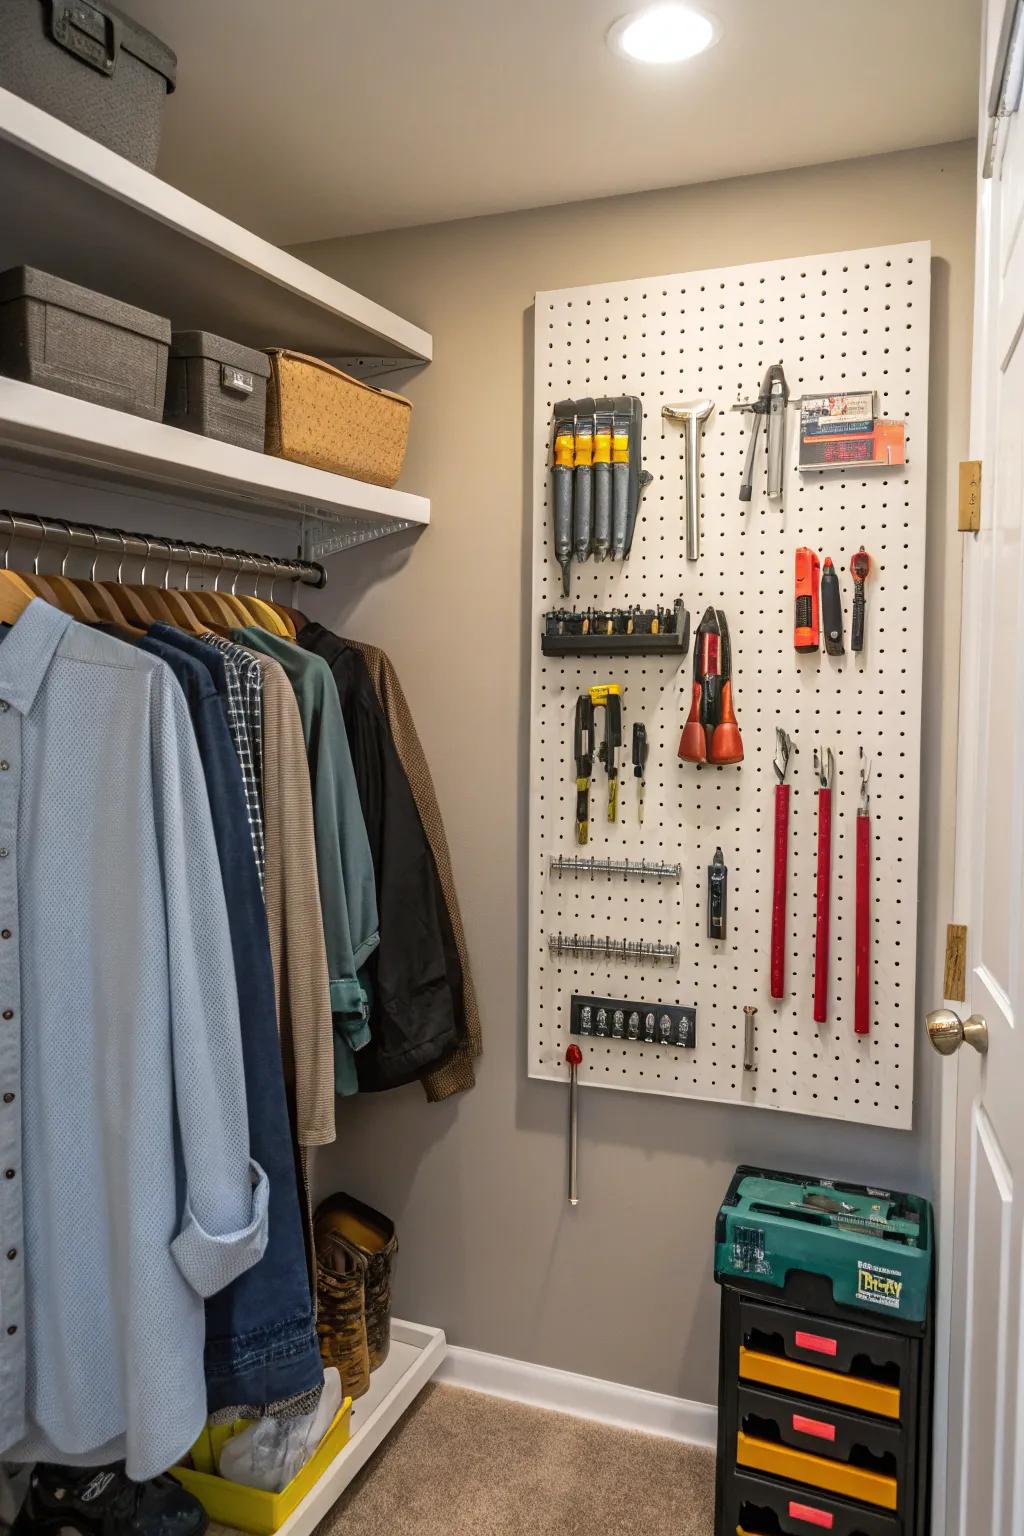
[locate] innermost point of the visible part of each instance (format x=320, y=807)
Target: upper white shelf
x=73, y=207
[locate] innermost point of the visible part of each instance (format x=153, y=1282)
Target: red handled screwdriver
x=824, y=768
x=784, y=750
x=573, y=1056
x=862, y=931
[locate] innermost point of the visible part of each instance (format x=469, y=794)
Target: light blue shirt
x=127, y=1193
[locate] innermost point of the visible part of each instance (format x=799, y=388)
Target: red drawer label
x=817, y=1342
x=816, y=1427
x=819, y=1517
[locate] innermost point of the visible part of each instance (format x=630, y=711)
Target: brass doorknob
x=947, y=1033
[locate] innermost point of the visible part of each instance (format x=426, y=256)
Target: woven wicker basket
x=320, y=416
x=341, y=1326
x=369, y=1239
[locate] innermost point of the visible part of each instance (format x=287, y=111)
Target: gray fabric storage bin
x=218, y=388
x=60, y=336
x=92, y=66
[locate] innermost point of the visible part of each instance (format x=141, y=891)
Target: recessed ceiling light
x=663, y=34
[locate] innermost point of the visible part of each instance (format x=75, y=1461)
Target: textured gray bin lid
x=30, y=283
x=220, y=350
x=136, y=40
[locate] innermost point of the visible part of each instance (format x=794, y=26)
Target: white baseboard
x=586, y=1397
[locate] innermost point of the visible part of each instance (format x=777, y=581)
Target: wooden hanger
x=15, y=596
x=262, y=613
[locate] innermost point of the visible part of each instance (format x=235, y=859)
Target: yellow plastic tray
x=252, y=1509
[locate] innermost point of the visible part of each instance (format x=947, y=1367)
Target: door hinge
x=968, y=518
x=954, y=980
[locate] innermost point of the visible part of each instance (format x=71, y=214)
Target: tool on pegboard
x=749, y=1021
x=583, y=751
x=583, y=484
x=806, y=616
x=784, y=749
x=718, y=886
x=824, y=769
x=639, y=869
x=574, y=1057
x=611, y=1018
x=640, y=766
x=563, y=459
x=692, y=414
x=831, y=610
x=617, y=631
x=589, y=946
x=606, y=696
x=862, y=926
x=589, y=464
x=768, y=409
x=711, y=733
x=860, y=569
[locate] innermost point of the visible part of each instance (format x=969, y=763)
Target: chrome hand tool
x=692, y=414
x=718, y=885
x=862, y=941
x=784, y=749
x=769, y=408
x=824, y=768
x=574, y=1057
x=749, y=1017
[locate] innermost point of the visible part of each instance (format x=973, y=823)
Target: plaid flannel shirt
x=245, y=722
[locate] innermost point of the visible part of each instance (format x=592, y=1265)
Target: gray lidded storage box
x=218, y=388
x=92, y=66
x=60, y=336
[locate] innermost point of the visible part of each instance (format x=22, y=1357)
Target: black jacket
x=413, y=977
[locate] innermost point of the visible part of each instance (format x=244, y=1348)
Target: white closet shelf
x=73, y=207
x=64, y=435
x=415, y=1355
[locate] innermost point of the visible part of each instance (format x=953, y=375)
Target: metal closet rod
x=58, y=533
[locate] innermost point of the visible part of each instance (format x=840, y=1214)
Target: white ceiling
x=315, y=118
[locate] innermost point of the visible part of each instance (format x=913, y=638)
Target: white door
x=985, y=1432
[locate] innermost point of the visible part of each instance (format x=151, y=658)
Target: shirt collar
x=27, y=651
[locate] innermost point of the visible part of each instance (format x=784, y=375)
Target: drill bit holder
x=633, y=631
x=628, y=869
x=612, y=1018
x=613, y=949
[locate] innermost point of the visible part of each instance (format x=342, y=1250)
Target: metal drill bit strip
x=613, y=949
x=635, y=869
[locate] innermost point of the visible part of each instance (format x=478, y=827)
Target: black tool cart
x=824, y=1418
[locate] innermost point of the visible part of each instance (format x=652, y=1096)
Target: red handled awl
x=784, y=750
x=862, y=946
x=860, y=570
x=824, y=768
x=573, y=1056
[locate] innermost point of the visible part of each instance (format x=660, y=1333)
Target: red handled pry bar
x=862, y=968
x=784, y=750
x=824, y=769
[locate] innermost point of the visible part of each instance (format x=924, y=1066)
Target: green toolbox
x=825, y=1371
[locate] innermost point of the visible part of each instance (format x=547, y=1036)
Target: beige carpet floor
x=461, y=1464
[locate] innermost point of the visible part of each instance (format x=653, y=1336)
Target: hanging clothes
x=294, y=915
x=244, y=705
x=262, y=1354
x=454, y=1074
x=128, y=1192
x=414, y=979
x=344, y=865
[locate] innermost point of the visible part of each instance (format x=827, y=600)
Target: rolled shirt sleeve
x=224, y=1221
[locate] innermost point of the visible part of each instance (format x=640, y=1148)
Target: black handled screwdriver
x=583, y=750
x=640, y=766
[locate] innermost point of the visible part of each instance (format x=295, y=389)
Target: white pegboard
x=860, y=320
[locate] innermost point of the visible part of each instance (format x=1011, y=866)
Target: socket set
x=610, y=1018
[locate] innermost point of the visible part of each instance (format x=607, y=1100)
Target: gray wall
x=620, y=1288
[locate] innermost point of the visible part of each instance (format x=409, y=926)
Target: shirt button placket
x=12, y=1278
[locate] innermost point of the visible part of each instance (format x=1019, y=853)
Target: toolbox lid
x=31, y=283
x=219, y=349
x=133, y=38
x=873, y=1246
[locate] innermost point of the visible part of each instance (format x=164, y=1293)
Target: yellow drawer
x=811, y=1381
x=818, y=1471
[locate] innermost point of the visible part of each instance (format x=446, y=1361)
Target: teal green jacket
x=348, y=894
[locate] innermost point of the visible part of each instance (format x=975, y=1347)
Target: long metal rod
x=59, y=534
x=613, y=949
x=637, y=869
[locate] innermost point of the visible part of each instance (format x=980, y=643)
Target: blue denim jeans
x=261, y=1342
